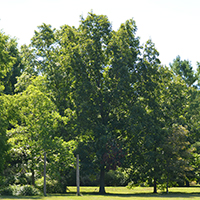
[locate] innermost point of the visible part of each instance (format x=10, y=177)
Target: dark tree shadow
x=21, y=197
x=161, y=194
x=95, y=193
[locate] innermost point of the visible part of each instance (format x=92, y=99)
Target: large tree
x=6, y=63
x=104, y=61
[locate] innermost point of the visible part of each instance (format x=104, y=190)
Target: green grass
x=120, y=193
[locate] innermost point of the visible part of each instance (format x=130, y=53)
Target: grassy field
x=120, y=193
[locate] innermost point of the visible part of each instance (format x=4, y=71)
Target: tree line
x=98, y=93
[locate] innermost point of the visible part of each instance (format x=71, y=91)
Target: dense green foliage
x=17, y=190
x=98, y=93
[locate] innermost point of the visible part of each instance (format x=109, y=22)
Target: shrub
x=52, y=186
x=17, y=190
x=29, y=190
x=7, y=191
x=115, y=178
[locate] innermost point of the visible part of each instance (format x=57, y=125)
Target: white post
x=77, y=175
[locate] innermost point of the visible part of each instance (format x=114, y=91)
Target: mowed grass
x=120, y=193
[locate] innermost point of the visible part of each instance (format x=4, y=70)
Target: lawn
x=120, y=193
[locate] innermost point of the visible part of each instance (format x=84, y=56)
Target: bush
x=29, y=190
x=115, y=178
x=89, y=180
x=7, y=191
x=17, y=190
x=52, y=186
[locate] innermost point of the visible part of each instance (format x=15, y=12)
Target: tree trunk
x=64, y=188
x=187, y=184
x=155, y=186
x=167, y=190
x=45, y=174
x=102, y=182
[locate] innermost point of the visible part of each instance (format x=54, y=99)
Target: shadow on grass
x=21, y=197
x=144, y=195
x=95, y=193
x=163, y=195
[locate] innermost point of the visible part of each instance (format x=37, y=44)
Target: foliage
x=184, y=69
x=177, y=153
x=10, y=78
x=7, y=191
x=103, y=83
x=113, y=156
x=116, y=178
x=4, y=103
x=6, y=59
x=98, y=93
x=17, y=190
x=163, y=99
x=34, y=133
x=52, y=186
x=60, y=163
x=6, y=63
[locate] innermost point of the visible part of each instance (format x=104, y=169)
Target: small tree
x=177, y=154
x=35, y=131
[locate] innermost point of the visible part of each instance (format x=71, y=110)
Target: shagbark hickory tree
x=104, y=62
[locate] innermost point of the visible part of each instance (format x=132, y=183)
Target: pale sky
x=173, y=25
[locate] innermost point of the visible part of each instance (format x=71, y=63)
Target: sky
x=173, y=25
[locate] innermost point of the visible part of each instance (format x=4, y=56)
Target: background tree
x=37, y=124
x=149, y=134
x=6, y=59
x=4, y=103
x=162, y=101
x=6, y=63
x=177, y=152
x=16, y=70
x=184, y=69
x=48, y=56
x=191, y=78
x=51, y=63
